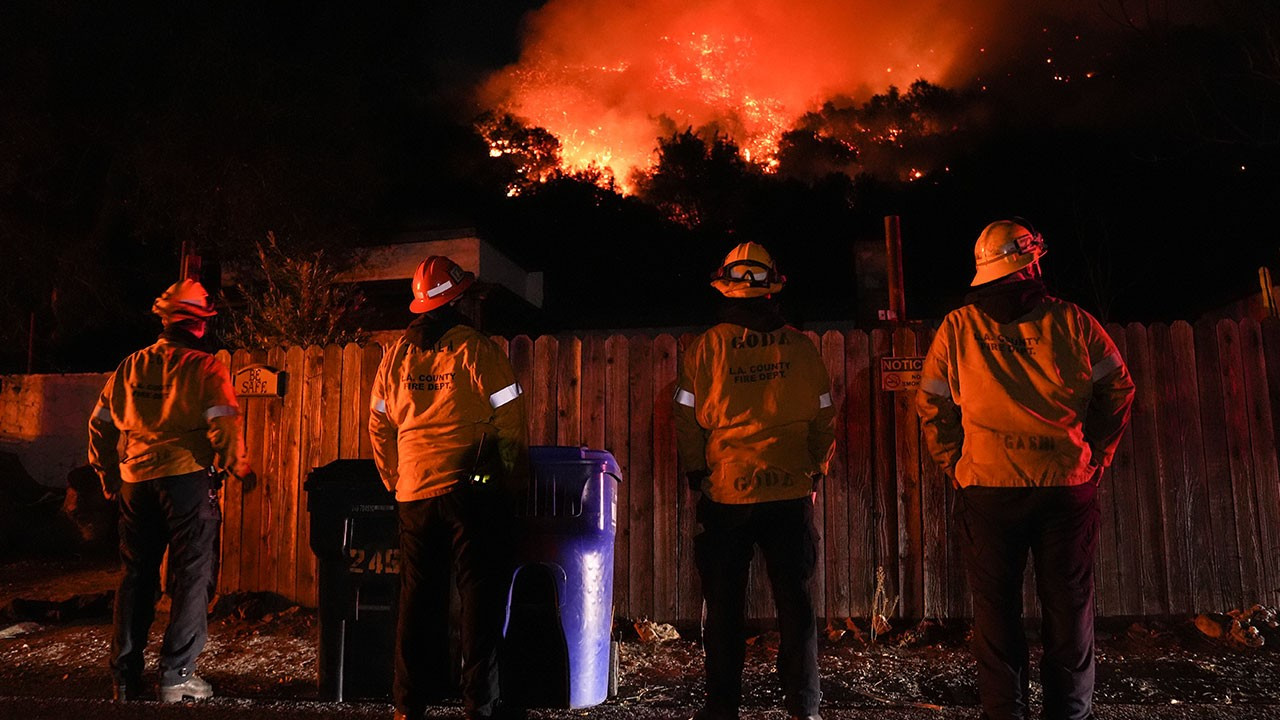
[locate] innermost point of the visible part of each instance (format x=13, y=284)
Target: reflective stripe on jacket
x=755, y=409
x=436, y=413
x=177, y=411
x=1041, y=401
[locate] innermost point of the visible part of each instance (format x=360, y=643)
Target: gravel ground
x=261, y=658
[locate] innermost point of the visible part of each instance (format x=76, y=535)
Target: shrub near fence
x=1190, y=510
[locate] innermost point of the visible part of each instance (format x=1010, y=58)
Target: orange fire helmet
x=437, y=282
x=1005, y=247
x=184, y=300
x=747, y=271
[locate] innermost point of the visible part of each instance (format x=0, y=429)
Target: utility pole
x=897, y=311
x=190, y=264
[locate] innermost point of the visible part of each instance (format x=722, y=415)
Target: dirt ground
x=262, y=660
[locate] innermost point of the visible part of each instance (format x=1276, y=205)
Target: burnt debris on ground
x=261, y=647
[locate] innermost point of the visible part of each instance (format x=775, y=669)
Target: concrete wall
x=44, y=420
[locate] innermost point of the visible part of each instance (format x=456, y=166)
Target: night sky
x=1145, y=147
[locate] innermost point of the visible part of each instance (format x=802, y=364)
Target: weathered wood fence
x=1191, y=508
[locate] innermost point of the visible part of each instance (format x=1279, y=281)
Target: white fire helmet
x=184, y=300
x=748, y=271
x=1005, y=247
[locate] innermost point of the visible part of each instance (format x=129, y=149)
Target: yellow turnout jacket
x=755, y=409
x=177, y=412
x=1040, y=401
x=437, y=413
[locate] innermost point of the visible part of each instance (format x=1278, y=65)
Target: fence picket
x=1219, y=508
x=350, y=403
x=542, y=391
x=690, y=585
x=592, y=392
x=284, y=550
x=859, y=447
x=834, y=488
x=885, y=477
x=1266, y=475
x=907, y=462
x=642, y=486
x=665, y=510
x=232, y=500
x=935, y=520
x=1118, y=574
x=1147, y=525
x=568, y=409
x=618, y=442
x=370, y=360
x=310, y=448
x=273, y=485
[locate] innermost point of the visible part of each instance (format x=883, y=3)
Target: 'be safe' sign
x=259, y=381
x=899, y=374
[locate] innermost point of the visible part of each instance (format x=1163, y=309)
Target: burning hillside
x=606, y=78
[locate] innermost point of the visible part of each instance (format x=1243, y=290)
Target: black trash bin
x=355, y=536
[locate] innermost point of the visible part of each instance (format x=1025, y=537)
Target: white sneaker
x=193, y=688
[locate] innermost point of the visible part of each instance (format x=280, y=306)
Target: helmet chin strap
x=1030, y=272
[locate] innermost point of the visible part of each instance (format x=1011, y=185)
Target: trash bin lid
x=345, y=482
x=574, y=455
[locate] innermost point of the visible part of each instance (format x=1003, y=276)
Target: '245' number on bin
x=374, y=561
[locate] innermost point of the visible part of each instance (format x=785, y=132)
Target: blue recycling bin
x=557, y=649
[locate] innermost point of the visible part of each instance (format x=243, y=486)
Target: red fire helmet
x=437, y=282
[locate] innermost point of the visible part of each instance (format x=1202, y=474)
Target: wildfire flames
x=608, y=78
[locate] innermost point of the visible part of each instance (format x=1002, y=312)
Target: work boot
x=194, y=688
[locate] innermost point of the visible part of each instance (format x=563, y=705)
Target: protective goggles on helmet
x=747, y=271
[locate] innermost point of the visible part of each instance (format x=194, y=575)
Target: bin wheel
x=614, y=650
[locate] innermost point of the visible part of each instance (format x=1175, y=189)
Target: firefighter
x=755, y=432
x=174, y=404
x=1023, y=400
x=447, y=420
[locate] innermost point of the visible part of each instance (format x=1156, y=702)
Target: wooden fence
x=1191, y=508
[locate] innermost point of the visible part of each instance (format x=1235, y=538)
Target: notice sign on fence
x=898, y=374
x=259, y=381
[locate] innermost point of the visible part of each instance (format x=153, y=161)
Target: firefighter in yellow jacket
x=450, y=439
x=174, y=406
x=1023, y=400
x=755, y=431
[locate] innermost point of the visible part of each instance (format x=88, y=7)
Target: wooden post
x=897, y=311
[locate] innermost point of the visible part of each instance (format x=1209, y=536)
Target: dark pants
x=723, y=550
x=465, y=531
x=1059, y=525
x=180, y=513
